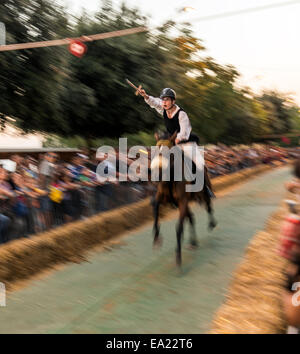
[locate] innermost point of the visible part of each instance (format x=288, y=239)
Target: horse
x=174, y=193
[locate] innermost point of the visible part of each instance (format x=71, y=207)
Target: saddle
x=192, y=138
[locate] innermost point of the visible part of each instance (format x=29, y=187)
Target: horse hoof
x=212, y=225
x=193, y=245
x=157, y=243
x=178, y=260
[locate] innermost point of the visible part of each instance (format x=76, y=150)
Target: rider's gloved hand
x=143, y=93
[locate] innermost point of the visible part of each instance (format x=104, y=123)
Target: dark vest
x=172, y=124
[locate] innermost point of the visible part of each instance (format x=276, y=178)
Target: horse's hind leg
x=157, y=239
x=193, y=237
x=179, y=232
x=212, y=221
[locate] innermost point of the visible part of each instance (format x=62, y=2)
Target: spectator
x=6, y=195
x=86, y=179
x=56, y=195
x=294, y=185
x=290, y=249
x=77, y=165
x=105, y=197
x=47, y=169
x=67, y=202
x=4, y=225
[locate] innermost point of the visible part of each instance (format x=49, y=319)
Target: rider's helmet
x=168, y=92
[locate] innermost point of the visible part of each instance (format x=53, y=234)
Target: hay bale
x=222, y=182
x=254, y=300
x=23, y=258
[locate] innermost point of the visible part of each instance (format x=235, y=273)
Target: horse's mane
x=163, y=135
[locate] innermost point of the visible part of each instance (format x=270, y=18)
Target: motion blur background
x=244, y=88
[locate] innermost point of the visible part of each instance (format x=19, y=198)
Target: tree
x=11, y=63
x=278, y=112
x=107, y=106
x=49, y=90
x=29, y=77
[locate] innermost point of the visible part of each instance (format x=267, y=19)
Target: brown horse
x=174, y=192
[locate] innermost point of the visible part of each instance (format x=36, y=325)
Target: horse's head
x=164, y=139
x=160, y=162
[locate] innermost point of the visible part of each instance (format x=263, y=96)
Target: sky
x=12, y=137
x=263, y=45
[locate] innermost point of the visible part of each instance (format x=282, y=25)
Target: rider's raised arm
x=155, y=102
x=185, y=127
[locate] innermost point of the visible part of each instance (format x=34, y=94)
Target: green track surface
x=133, y=289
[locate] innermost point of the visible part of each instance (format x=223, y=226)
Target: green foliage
x=278, y=112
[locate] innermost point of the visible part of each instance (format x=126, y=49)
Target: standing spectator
x=5, y=195
x=47, y=168
x=29, y=166
x=35, y=200
x=77, y=165
x=56, y=195
x=105, y=196
x=68, y=186
x=46, y=172
x=87, y=182
x=24, y=221
x=290, y=249
x=4, y=224
x=17, y=160
x=76, y=194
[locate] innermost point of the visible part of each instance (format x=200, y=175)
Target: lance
x=137, y=89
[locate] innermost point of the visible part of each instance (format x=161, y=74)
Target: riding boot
x=210, y=192
x=207, y=189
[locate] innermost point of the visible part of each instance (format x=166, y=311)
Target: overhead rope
x=243, y=11
x=65, y=41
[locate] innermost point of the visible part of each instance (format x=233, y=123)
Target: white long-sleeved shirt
x=184, y=122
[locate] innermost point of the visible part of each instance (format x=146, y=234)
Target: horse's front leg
x=157, y=239
x=207, y=196
x=212, y=221
x=193, y=237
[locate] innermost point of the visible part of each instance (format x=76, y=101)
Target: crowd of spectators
x=289, y=248
x=44, y=193
x=40, y=194
x=221, y=160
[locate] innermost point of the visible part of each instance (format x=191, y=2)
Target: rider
x=175, y=119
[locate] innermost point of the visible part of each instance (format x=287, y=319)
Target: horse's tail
x=207, y=184
x=206, y=178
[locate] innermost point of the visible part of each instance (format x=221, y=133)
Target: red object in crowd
x=290, y=236
x=285, y=140
x=77, y=48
